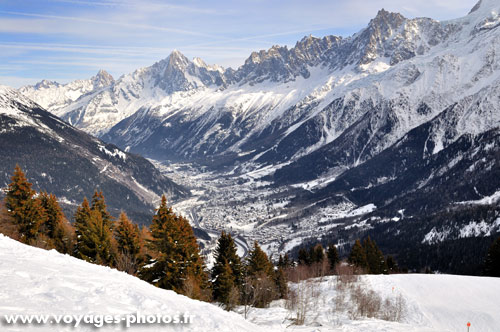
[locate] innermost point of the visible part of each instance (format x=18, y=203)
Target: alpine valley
x=393, y=132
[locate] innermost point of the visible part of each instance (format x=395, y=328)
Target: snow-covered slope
x=40, y=282
x=446, y=302
x=432, y=303
x=54, y=96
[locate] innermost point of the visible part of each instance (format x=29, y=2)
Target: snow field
x=36, y=281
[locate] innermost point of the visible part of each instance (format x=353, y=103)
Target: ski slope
x=445, y=302
x=36, y=281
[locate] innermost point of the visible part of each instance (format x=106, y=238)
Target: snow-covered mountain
x=388, y=118
x=72, y=164
x=54, y=96
x=282, y=104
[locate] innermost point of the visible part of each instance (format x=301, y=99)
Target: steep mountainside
x=72, y=164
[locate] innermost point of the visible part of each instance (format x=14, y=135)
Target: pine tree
x=128, y=245
x=27, y=212
x=317, y=254
x=225, y=252
x=304, y=257
x=258, y=262
x=54, y=226
x=177, y=253
x=492, y=261
x=281, y=283
x=99, y=204
x=260, y=277
x=333, y=256
x=93, y=236
x=287, y=262
x=357, y=256
x=127, y=237
x=225, y=285
x=392, y=265
x=375, y=259
x=101, y=237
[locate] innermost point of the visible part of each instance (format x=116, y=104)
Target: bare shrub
x=394, y=309
x=291, y=300
x=300, y=272
x=366, y=302
x=303, y=301
x=126, y=262
x=42, y=241
x=192, y=289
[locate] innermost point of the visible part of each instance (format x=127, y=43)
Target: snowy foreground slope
x=437, y=303
x=35, y=281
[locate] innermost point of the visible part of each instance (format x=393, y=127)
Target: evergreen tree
x=93, y=236
x=177, y=253
x=287, y=262
x=225, y=253
x=492, y=261
x=280, y=261
x=54, y=224
x=281, y=283
x=99, y=204
x=127, y=237
x=317, y=254
x=284, y=262
x=357, y=256
x=225, y=282
x=374, y=258
x=258, y=262
x=333, y=256
x=260, y=282
x=27, y=212
x=304, y=257
x=392, y=265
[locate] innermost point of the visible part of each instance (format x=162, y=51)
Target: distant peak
x=46, y=84
x=176, y=54
x=103, y=78
x=178, y=60
x=199, y=62
x=386, y=15
x=385, y=18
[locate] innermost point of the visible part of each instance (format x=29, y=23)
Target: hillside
x=71, y=164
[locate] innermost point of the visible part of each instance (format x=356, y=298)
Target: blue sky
x=64, y=40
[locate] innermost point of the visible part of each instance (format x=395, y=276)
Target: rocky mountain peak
x=46, y=84
x=177, y=60
x=102, y=79
x=385, y=24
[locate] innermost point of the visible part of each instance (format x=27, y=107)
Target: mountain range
x=402, y=117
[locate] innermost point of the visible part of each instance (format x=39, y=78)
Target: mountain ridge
x=72, y=164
